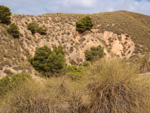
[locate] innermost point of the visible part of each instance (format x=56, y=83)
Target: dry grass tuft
x=117, y=87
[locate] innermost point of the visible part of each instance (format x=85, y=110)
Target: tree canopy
x=84, y=24
x=49, y=62
x=5, y=15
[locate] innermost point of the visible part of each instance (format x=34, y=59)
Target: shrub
x=51, y=96
x=59, y=49
x=7, y=84
x=73, y=68
x=55, y=63
x=144, y=63
x=27, y=98
x=33, y=27
x=39, y=60
x=13, y=30
x=49, y=62
x=84, y=24
x=4, y=85
x=42, y=30
x=116, y=87
x=18, y=79
x=76, y=73
x=94, y=53
x=86, y=63
x=5, y=15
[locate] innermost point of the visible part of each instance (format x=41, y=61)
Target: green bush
x=13, y=30
x=5, y=15
x=94, y=53
x=49, y=62
x=4, y=85
x=86, y=63
x=18, y=79
x=55, y=63
x=7, y=84
x=39, y=60
x=73, y=68
x=33, y=27
x=76, y=72
x=84, y=24
x=42, y=30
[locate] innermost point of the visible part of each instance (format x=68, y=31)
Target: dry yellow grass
x=109, y=85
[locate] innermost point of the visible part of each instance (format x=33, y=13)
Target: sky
x=38, y=7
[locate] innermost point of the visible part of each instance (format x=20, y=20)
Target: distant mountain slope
x=135, y=24
x=121, y=33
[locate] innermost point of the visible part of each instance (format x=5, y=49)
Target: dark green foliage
x=39, y=60
x=80, y=26
x=55, y=63
x=42, y=30
x=59, y=49
x=7, y=84
x=33, y=27
x=13, y=30
x=49, y=62
x=5, y=15
x=84, y=24
x=94, y=53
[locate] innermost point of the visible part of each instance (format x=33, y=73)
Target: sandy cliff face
x=15, y=52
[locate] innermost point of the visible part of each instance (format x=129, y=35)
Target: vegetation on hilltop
x=5, y=15
x=84, y=24
x=103, y=85
x=134, y=24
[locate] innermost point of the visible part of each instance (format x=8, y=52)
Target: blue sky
x=37, y=7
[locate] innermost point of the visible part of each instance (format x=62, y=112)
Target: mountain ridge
x=130, y=32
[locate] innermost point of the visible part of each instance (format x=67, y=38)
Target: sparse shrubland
x=109, y=85
x=99, y=85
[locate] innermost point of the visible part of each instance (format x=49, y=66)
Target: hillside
x=121, y=33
